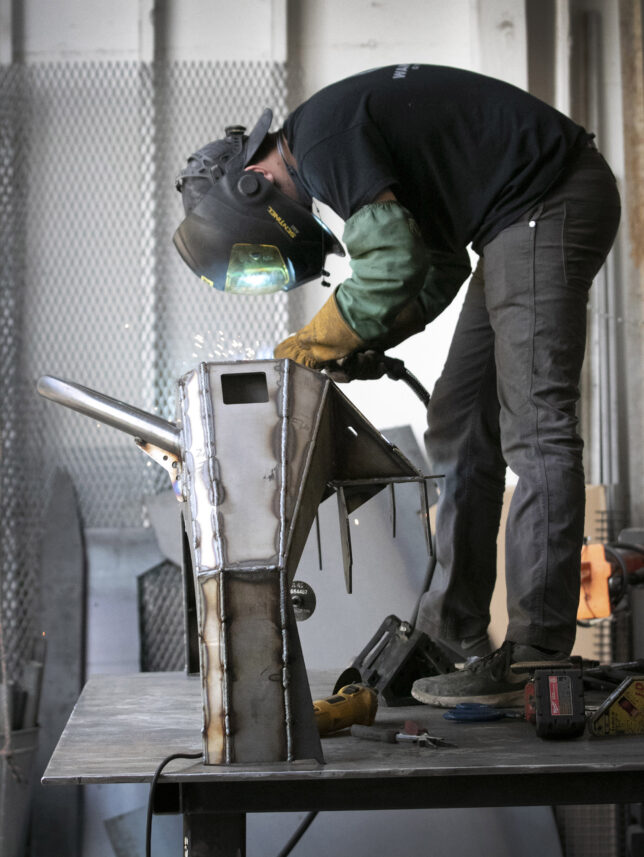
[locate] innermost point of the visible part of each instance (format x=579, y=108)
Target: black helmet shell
x=241, y=234
x=244, y=217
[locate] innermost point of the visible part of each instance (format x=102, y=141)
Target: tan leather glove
x=326, y=337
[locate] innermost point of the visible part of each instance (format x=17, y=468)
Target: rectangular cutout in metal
x=244, y=388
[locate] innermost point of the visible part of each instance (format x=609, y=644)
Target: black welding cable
x=629, y=546
x=610, y=552
x=299, y=833
x=397, y=371
x=636, y=576
x=153, y=785
x=427, y=582
x=286, y=850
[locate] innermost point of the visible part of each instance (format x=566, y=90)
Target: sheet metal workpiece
x=261, y=444
x=265, y=443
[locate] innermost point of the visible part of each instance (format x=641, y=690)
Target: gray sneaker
x=496, y=679
x=467, y=648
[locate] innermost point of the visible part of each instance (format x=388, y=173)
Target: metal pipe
x=112, y=412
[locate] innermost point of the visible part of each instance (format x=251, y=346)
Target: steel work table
x=123, y=726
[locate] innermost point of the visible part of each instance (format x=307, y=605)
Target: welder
x=423, y=162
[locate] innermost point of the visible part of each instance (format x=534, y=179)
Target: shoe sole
x=509, y=699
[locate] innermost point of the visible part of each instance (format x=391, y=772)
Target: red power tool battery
x=559, y=702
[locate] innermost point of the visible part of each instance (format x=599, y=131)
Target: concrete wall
x=76, y=30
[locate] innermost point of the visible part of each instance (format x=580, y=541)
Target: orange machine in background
x=606, y=572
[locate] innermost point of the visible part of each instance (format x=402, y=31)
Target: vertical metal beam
x=6, y=32
x=214, y=835
x=146, y=30
x=600, y=380
x=279, y=31
x=603, y=301
x=562, y=56
x=148, y=21
x=500, y=46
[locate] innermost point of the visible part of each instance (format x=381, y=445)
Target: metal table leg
x=213, y=834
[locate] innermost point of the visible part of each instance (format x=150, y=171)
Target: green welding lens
x=256, y=269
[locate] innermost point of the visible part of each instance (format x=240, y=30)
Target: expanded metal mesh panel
x=111, y=303
x=20, y=490
x=592, y=831
x=86, y=315
x=92, y=288
x=161, y=626
x=193, y=323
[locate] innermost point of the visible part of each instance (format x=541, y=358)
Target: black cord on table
x=157, y=774
x=286, y=850
x=299, y=833
x=427, y=582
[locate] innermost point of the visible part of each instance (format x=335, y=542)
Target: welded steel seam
x=208, y=423
x=288, y=716
x=190, y=470
x=309, y=458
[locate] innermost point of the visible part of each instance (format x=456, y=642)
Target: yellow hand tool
x=354, y=703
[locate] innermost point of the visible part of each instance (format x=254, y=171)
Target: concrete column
x=6, y=32
x=500, y=40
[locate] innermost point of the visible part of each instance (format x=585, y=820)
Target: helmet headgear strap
x=305, y=196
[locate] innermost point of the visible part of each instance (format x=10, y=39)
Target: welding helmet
x=240, y=233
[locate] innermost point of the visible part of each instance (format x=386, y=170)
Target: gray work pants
x=508, y=395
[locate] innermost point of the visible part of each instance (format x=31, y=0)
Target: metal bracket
x=171, y=463
x=339, y=485
x=345, y=539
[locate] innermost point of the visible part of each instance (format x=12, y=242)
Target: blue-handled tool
x=478, y=711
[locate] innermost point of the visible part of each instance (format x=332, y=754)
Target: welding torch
x=397, y=371
x=371, y=365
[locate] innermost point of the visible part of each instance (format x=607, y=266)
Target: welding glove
x=326, y=337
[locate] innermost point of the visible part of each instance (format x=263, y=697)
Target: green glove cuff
x=389, y=263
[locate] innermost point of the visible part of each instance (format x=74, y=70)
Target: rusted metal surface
x=257, y=446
